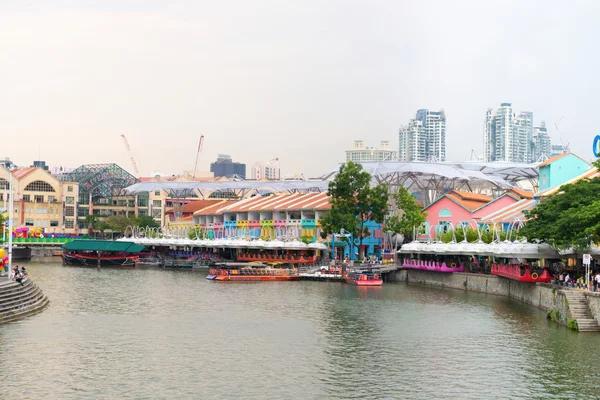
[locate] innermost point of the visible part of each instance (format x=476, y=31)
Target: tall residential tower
x=424, y=137
x=508, y=136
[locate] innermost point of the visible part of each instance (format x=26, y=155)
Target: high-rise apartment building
x=424, y=137
x=266, y=170
x=508, y=136
x=542, y=144
x=362, y=153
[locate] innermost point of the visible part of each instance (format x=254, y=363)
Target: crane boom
x=133, y=163
x=200, y=144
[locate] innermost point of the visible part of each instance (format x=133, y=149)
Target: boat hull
x=363, y=282
x=75, y=259
x=253, y=278
x=514, y=273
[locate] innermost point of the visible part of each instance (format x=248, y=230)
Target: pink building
x=458, y=208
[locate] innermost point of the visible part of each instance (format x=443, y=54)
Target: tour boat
x=227, y=272
x=425, y=265
x=104, y=253
x=364, y=278
x=514, y=272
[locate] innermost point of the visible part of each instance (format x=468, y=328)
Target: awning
x=103, y=245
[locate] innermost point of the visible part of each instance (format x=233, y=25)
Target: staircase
x=580, y=311
x=18, y=301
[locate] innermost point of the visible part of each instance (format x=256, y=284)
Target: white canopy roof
x=267, y=186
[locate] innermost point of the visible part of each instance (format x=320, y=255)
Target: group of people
x=18, y=274
x=580, y=283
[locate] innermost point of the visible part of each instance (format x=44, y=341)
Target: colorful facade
x=560, y=169
x=277, y=217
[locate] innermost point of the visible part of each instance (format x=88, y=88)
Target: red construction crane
x=200, y=143
x=133, y=163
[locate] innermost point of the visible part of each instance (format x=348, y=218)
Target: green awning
x=103, y=245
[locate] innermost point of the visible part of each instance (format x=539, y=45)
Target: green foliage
x=354, y=202
x=307, y=239
x=146, y=221
x=572, y=324
x=569, y=218
x=196, y=232
x=554, y=315
x=412, y=215
x=473, y=235
x=118, y=223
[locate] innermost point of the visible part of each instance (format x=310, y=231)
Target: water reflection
x=169, y=334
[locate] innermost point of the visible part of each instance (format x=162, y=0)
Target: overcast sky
x=298, y=80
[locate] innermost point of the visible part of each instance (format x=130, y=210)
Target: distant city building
x=40, y=164
x=266, y=170
x=60, y=170
x=224, y=166
x=508, y=136
x=360, y=153
x=424, y=137
x=7, y=163
x=558, y=149
x=542, y=144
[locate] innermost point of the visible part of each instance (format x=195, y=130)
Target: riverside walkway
x=19, y=301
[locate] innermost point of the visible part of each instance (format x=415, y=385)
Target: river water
x=153, y=334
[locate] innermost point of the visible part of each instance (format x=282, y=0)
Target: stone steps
x=580, y=311
x=19, y=301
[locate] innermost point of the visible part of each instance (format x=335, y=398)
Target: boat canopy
x=103, y=245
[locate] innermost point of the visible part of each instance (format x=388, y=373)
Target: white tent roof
x=268, y=186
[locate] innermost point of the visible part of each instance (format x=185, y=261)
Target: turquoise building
x=559, y=169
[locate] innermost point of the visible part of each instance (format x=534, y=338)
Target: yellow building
x=40, y=200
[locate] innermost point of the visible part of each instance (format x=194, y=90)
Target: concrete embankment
x=18, y=301
x=543, y=296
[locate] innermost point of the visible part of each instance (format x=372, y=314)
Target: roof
x=510, y=213
x=524, y=194
x=471, y=196
x=216, y=209
x=273, y=187
x=184, y=220
x=103, y=245
x=196, y=205
x=558, y=157
x=282, y=202
x=589, y=174
x=22, y=172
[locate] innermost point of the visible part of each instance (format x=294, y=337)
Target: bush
x=572, y=324
x=554, y=315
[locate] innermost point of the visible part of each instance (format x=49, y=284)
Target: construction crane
x=133, y=163
x=200, y=144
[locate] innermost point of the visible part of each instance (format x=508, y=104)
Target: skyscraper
x=508, y=136
x=542, y=144
x=424, y=137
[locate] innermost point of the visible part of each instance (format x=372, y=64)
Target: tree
x=119, y=223
x=354, y=202
x=92, y=223
x=146, y=221
x=568, y=219
x=411, y=218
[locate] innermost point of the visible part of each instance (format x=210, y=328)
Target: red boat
x=364, y=278
x=514, y=272
x=248, y=272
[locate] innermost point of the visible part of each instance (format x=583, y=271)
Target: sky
x=297, y=80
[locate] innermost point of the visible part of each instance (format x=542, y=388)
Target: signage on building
x=587, y=259
x=596, y=147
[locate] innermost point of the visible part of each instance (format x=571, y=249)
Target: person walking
x=594, y=282
x=597, y=280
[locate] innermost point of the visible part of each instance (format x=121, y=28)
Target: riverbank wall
x=540, y=295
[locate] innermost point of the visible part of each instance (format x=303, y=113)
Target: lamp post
x=10, y=220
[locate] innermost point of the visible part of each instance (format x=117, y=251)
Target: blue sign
x=596, y=148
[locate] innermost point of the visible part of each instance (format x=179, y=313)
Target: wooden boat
x=425, y=265
x=227, y=272
x=514, y=272
x=104, y=253
x=368, y=277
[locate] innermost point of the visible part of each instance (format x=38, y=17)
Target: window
x=51, y=199
x=4, y=183
x=69, y=188
x=156, y=203
x=41, y=211
x=444, y=212
x=69, y=223
x=26, y=198
x=39, y=186
x=39, y=199
x=70, y=211
x=70, y=200
x=53, y=223
x=28, y=222
x=157, y=193
x=142, y=213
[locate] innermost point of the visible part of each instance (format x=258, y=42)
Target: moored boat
x=104, y=253
x=251, y=272
x=367, y=277
x=521, y=273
